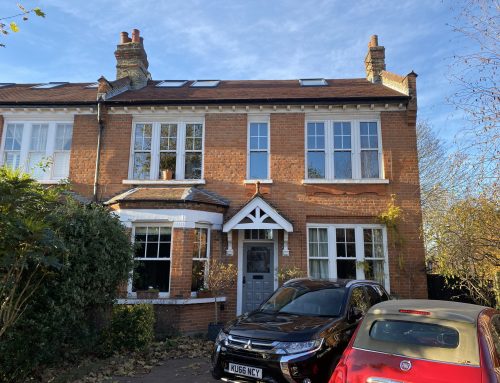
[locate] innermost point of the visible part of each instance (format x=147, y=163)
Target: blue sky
x=240, y=39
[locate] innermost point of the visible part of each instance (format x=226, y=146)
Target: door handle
x=244, y=280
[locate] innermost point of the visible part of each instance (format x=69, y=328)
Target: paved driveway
x=175, y=371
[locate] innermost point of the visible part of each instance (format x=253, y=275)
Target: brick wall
x=115, y=155
x=225, y=169
x=83, y=154
x=182, y=263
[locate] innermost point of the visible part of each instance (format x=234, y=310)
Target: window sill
x=163, y=182
x=259, y=181
x=168, y=301
x=349, y=181
x=50, y=182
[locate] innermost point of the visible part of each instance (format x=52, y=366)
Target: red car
x=415, y=341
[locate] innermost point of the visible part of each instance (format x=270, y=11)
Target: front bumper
x=275, y=368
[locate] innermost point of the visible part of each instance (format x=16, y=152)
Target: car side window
x=359, y=299
x=374, y=295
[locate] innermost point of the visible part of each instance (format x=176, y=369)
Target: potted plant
x=220, y=276
x=167, y=167
x=150, y=293
x=204, y=293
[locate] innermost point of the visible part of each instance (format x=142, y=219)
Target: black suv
x=297, y=335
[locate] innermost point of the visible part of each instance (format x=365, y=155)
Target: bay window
x=343, y=150
x=39, y=148
x=167, y=149
x=348, y=251
x=200, y=258
x=153, y=245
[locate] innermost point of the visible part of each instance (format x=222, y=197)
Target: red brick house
x=267, y=175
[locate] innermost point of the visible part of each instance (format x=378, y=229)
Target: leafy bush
x=64, y=315
x=131, y=328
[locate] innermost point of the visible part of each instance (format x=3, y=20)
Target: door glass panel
x=258, y=260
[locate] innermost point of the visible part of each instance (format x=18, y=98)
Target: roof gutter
x=215, y=101
x=272, y=101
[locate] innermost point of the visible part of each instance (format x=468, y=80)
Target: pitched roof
x=252, y=91
x=259, y=211
x=75, y=93
x=169, y=194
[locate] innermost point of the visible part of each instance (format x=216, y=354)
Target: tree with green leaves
x=61, y=263
x=13, y=26
x=30, y=248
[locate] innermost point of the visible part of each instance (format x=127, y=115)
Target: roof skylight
x=93, y=85
x=171, y=84
x=4, y=84
x=313, y=82
x=205, y=83
x=48, y=85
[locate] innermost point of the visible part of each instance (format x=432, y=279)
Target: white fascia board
x=183, y=218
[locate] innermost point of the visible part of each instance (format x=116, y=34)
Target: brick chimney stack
x=374, y=60
x=132, y=60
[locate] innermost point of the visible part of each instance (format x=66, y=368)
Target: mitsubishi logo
x=248, y=345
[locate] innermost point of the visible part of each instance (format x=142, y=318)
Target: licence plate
x=238, y=369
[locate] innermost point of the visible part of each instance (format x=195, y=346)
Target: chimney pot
x=132, y=60
x=373, y=41
x=124, y=38
x=136, y=36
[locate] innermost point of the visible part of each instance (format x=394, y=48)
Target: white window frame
x=133, y=294
x=259, y=119
x=207, y=259
x=332, y=248
x=355, y=122
x=26, y=142
x=155, y=148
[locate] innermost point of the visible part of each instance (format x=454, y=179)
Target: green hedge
x=64, y=317
x=131, y=327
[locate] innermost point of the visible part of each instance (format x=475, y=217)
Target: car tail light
x=416, y=312
x=340, y=374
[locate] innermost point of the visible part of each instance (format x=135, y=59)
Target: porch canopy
x=257, y=214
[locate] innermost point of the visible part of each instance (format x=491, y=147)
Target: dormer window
x=48, y=85
x=313, y=82
x=171, y=84
x=205, y=84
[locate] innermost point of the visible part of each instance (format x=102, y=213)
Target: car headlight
x=221, y=338
x=283, y=348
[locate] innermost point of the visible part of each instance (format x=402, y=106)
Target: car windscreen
x=419, y=336
x=422, y=334
x=304, y=301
